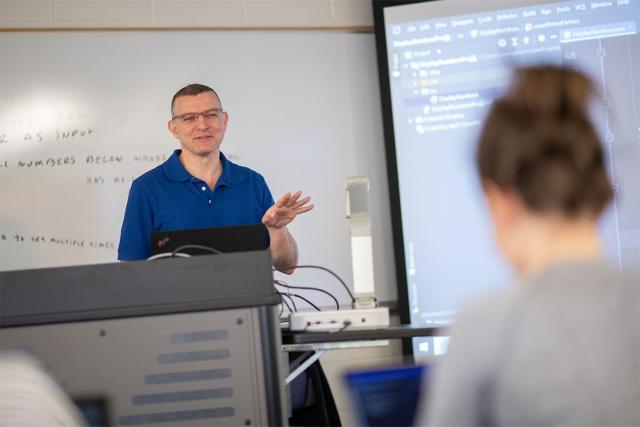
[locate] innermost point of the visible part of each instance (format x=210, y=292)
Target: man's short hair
x=193, y=90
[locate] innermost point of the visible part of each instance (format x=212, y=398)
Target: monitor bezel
x=391, y=161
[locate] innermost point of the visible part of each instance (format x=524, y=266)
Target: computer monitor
x=442, y=64
x=237, y=238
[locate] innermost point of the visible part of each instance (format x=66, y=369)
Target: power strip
x=333, y=320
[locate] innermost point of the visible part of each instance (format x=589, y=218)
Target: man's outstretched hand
x=286, y=209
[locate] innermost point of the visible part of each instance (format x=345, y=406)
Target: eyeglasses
x=192, y=117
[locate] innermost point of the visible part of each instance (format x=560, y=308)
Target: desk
x=390, y=332
x=315, y=344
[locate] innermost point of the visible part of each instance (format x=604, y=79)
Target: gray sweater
x=562, y=348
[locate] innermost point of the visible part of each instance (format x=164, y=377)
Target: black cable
x=205, y=248
x=168, y=255
x=305, y=300
x=328, y=271
x=283, y=304
x=311, y=288
x=286, y=303
x=288, y=295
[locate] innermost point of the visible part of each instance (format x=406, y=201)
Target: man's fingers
x=282, y=201
x=289, y=200
x=281, y=217
x=293, y=199
x=302, y=202
x=304, y=209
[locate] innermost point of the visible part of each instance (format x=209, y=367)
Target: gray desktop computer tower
x=185, y=342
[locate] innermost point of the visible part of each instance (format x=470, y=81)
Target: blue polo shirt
x=169, y=198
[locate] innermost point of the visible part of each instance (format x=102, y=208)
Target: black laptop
x=201, y=241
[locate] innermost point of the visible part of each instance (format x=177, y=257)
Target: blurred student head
x=542, y=169
x=30, y=397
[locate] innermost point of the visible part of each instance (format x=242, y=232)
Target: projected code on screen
x=444, y=73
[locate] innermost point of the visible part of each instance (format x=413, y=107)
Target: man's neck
x=207, y=168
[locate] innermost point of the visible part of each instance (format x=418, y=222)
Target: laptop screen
x=94, y=411
x=386, y=397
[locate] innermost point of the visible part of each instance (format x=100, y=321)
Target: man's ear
x=172, y=128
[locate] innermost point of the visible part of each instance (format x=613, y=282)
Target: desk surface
x=390, y=332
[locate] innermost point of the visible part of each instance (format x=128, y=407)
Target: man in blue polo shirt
x=198, y=187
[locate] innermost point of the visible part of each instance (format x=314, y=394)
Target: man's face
x=199, y=134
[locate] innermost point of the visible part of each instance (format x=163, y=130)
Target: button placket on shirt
x=204, y=188
x=208, y=194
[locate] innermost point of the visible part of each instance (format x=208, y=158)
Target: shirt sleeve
x=265, y=202
x=267, y=199
x=137, y=225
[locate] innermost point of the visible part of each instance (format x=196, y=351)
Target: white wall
x=184, y=13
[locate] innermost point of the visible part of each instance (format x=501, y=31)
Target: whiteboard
x=84, y=113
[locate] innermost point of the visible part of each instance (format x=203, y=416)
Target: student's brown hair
x=538, y=142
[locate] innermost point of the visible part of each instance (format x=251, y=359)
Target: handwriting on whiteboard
x=40, y=136
x=74, y=160
x=52, y=240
